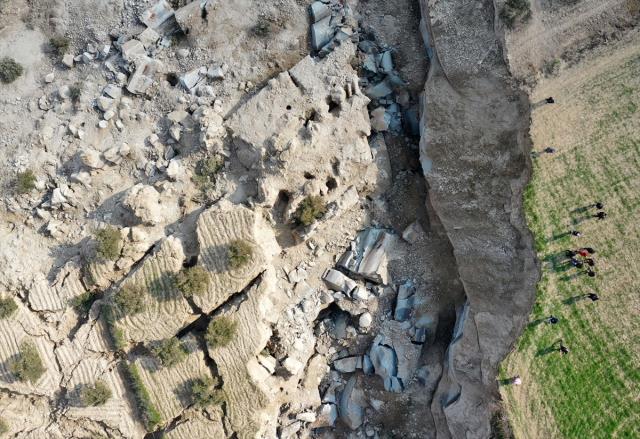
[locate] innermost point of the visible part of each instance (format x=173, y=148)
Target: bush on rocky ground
x=98, y=394
x=150, y=415
x=220, y=331
x=130, y=299
x=240, y=252
x=515, y=11
x=75, y=91
x=7, y=307
x=109, y=242
x=192, y=281
x=25, y=182
x=27, y=366
x=60, y=44
x=170, y=351
x=83, y=302
x=309, y=210
x=10, y=70
x=4, y=427
x=204, y=392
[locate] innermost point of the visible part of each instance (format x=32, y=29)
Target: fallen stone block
x=348, y=364
x=321, y=33
x=404, y=302
x=319, y=11
x=413, y=232
x=367, y=256
x=337, y=281
x=350, y=410
x=157, y=14
x=379, y=90
x=142, y=78
x=133, y=50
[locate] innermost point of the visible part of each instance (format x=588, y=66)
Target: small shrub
x=4, y=427
x=204, y=392
x=7, y=307
x=25, y=182
x=220, y=331
x=263, y=27
x=309, y=210
x=98, y=394
x=83, y=302
x=75, y=91
x=192, y=281
x=207, y=170
x=170, y=351
x=240, y=252
x=28, y=365
x=60, y=44
x=515, y=11
x=130, y=299
x=10, y=70
x=150, y=415
x=109, y=242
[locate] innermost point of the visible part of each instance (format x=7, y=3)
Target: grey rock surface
x=476, y=177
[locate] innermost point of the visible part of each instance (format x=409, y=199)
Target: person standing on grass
x=589, y=250
x=600, y=215
x=598, y=205
x=576, y=263
x=516, y=381
x=563, y=349
x=593, y=296
x=590, y=272
x=583, y=252
x=570, y=253
x=590, y=262
x=575, y=233
x=552, y=320
x=550, y=100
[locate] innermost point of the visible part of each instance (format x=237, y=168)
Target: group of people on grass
x=583, y=260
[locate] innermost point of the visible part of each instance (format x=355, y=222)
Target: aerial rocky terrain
x=184, y=128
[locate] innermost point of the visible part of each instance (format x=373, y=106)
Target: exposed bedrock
x=475, y=154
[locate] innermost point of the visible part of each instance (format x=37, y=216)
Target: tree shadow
x=163, y=287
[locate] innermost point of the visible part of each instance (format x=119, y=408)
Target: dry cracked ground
x=215, y=221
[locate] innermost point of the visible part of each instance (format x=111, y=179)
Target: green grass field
x=594, y=391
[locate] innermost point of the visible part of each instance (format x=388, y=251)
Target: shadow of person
x=549, y=349
x=535, y=323
x=573, y=299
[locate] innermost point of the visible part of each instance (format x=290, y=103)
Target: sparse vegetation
x=207, y=170
x=240, y=252
x=4, y=427
x=10, y=70
x=25, y=182
x=192, y=281
x=204, y=392
x=130, y=299
x=309, y=210
x=75, y=91
x=170, y=351
x=150, y=415
x=515, y=11
x=263, y=27
x=98, y=394
x=7, y=307
x=60, y=44
x=27, y=366
x=220, y=331
x=83, y=302
x=115, y=333
x=109, y=243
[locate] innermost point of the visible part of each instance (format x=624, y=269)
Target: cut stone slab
x=157, y=14
x=166, y=310
x=367, y=257
x=246, y=397
x=321, y=33
x=217, y=228
x=349, y=408
x=337, y=281
x=169, y=387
